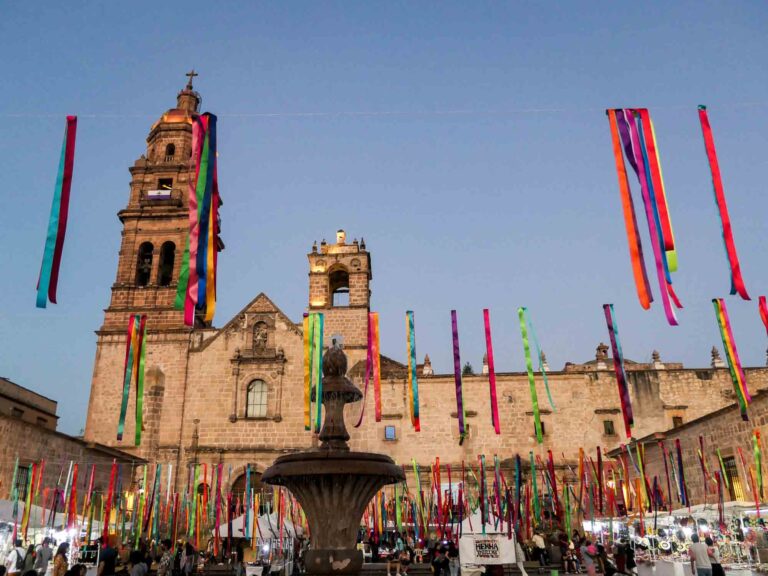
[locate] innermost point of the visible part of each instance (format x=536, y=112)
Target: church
x=233, y=394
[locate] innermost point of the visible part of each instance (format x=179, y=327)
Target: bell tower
x=155, y=226
x=339, y=286
x=155, y=222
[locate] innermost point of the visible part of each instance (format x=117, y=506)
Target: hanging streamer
x=618, y=365
x=368, y=371
x=758, y=459
x=763, y=308
x=307, y=335
x=732, y=355
x=457, y=375
x=413, y=382
x=317, y=356
x=373, y=321
x=48, y=281
x=737, y=282
x=133, y=370
x=630, y=219
x=640, y=149
x=531, y=379
x=196, y=293
x=540, y=357
x=491, y=373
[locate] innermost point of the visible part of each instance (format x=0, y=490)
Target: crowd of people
x=400, y=552
x=36, y=560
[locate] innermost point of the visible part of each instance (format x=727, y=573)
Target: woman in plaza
x=60, y=561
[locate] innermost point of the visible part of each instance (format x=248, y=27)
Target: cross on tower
x=191, y=75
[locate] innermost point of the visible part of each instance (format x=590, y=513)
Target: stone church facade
x=234, y=394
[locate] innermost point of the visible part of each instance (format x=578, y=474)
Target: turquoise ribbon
x=540, y=357
x=53, y=232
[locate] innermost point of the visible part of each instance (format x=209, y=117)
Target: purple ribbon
x=457, y=372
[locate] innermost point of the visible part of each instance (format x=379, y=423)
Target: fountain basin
x=333, y=488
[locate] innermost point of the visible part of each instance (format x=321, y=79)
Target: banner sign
x=488, y=549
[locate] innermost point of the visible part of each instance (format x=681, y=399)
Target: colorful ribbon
x=48, y=280
x=732, y=355
x=373, y=322
x=737, y=282
x=630, y=218
x=196, y=291
x=307, y=336
x=618, y=366
x=317, y=357
x=457, y=374
x=681, y=474
x=531, y=379
x=763, y=308
x=368, y=371
x=540, y=357
x=635, y=129
x=413, y=382
x=758, y=454
x=491, y=373
x=133, y=369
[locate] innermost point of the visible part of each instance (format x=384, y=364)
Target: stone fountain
x=332, y=483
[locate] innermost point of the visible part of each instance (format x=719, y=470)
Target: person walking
x=165, y=566
x=588, y=556
x=60, y=560
x=43, y=556
x=700, y=555
x=29, y=559
x=107, y=559
x=717, y=567
x=14, y=562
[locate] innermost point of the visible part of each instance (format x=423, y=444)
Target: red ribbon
x=491, y=373
x=737, y=282
x=763, y=307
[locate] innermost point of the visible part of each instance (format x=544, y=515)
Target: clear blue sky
x=465, y=141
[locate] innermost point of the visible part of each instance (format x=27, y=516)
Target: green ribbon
x=536, y=505
x=140, y=386
x=318, y=358
x=531, y=379
x=127, y=378
x=722, y=468
x=181, y=290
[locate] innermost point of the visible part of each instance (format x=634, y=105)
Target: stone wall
x=723, y=429
x=32, y=443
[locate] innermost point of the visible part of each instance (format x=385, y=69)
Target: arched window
x=256, y=400
x=264, y=492
x=144, y=264
x=170, y=152
x=167, y=258
x=338, y=280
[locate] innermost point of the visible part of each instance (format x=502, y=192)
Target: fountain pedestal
x=333, y=484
